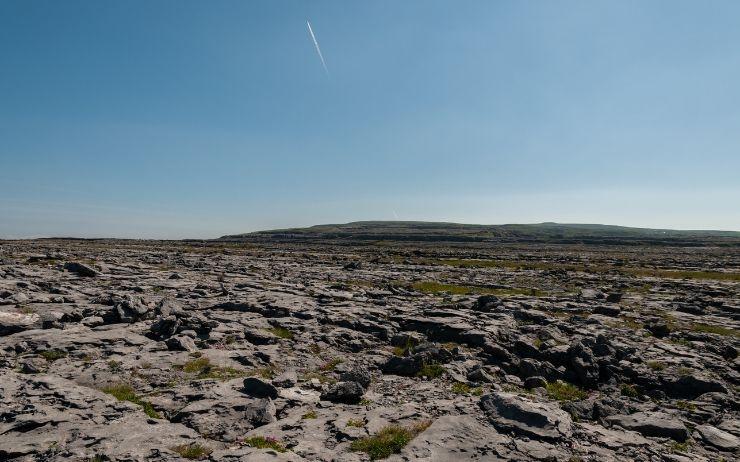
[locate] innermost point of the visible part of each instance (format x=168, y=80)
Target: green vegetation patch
x=563, y=391
x=358, y=423
x=437, y=288
x=465, y=389
x=53, y=355
x=265, y=442
x=655, y=365
x=679, y=274
x=629, y=390
x=321, y=377
x=330, y=365
x=267, y=372
x=711, y=329
x=26, y=309
x=281, y=332
x=125, y=392
x=431, y=371
x=685, y=405
x=544, y=265
x=389, y=440
x=193, y=451
x=204, y=369
x=309, y=415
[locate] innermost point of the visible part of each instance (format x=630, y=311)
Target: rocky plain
x=278, y=349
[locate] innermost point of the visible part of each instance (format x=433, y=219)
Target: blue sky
x=171, y=119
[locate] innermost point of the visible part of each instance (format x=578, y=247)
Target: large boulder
x=357, y=374
x=486, y=303
x=258, y=388
x=344, y=392
x=510, y=412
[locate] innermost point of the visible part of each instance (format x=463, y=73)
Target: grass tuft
x=330, y=365
x=685, y=405
x=389, y=440
x=655, y=365
x=465, y=389
x=711, y=329
x=322, y=378
x=268, y=442
x=53, y=355
x=563, y=391
x=204, y=369
x=358, y=423
x=431, y=371
x=125, y=392
x=193, y=451
x=629, y=390
x=281, y=332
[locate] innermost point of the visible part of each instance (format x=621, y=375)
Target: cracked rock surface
x=289, y=351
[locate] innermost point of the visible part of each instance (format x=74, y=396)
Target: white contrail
x=318, y=50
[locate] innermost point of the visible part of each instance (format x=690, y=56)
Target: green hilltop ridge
x=458, y=232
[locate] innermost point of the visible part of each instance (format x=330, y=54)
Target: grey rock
x=357, y=374
x=260, y=337
x=608, y=310
x=258, y=388
x=286, y=380
x=479, y=375
x=592, y=294
x=652, y=424
x=81, y=269
x=181, y=343
x=11, y=322
x=534, y=382
x=486, y=303
x=614, y=297
x=344, y=392
x=720, y=439
x=694, y=385
x=509, y=412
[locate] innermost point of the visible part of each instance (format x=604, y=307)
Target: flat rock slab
x=455, y=438
x=510, y=412
x=719, y=438
x=656, y=424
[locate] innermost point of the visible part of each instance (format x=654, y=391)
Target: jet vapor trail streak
x=318, y=50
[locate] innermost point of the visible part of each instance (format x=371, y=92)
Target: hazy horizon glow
x=184, y=119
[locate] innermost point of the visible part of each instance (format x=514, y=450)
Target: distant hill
x=455, y=232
